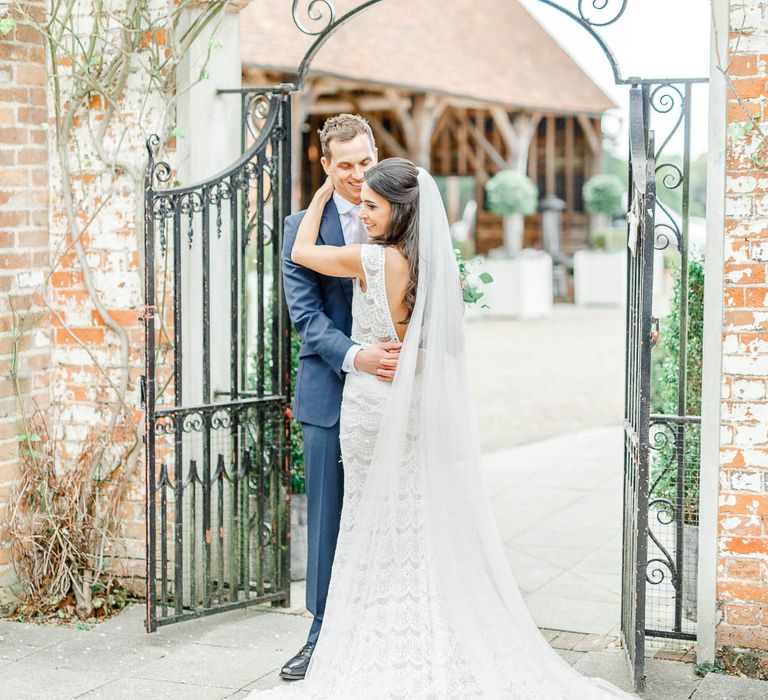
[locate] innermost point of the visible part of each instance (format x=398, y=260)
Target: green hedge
x=664, y=391
x=297, y=441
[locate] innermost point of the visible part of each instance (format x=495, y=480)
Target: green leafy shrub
x=665, y=389
x=298, y=484
x=297, y=440
x=603, y=195
x=510, y=192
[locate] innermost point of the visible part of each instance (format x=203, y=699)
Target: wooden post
x=592, y=131
x=569, y=156
x=418, y=116
x=462, y=141
x=533, y=157
x=550, y=156
x=517, y=133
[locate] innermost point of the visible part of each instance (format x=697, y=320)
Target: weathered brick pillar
x=24, y=259
x=742, y=587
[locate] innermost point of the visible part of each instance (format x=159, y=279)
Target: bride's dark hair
x=396, y=179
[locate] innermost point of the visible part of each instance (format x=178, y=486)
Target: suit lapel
x=331, y=233
x=330, y=225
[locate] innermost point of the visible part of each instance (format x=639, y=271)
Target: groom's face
x=346, y=163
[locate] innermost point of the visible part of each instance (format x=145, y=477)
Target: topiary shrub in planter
x=603, y=195
x=664, y=441
x=512, y=195
x=603, y=199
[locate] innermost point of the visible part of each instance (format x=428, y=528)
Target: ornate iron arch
x=590, y=14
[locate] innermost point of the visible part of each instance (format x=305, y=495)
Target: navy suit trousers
x=324, y=476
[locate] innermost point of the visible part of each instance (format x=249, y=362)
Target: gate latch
x=143, y=386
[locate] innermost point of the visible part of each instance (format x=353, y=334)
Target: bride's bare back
x=396, y=280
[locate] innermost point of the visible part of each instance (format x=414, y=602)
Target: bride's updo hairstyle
x=396, y=179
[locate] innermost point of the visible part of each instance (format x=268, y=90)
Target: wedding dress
x=422, y=603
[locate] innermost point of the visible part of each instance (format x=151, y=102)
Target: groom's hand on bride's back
x=379, y=359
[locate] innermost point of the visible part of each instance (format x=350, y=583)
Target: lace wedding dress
x=421, y=602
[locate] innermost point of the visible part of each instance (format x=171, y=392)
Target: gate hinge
x=143, y=387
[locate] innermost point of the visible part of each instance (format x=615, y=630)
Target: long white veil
x=484, y=643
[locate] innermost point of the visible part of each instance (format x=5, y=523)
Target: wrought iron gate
x=217, y=381
x=661, y=447
x=642, y=189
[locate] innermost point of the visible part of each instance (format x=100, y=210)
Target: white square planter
x=521, y=287
x=600, y=278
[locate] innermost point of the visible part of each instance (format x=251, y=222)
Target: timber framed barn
x=454, y=90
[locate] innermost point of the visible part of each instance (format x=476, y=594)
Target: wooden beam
x=517, y=133
x=380, y=131
x=480, y=155
x=549, y=150
x=487, y=147
x=462, y=145
x=445, y=151
x=533, y=158
x=418, y=115
x=593, y=137
x=569, y=156
x=336, y=105
x=506, y=129
x=427, y=110
x=385, y=136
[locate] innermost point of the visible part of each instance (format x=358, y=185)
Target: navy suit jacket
x=321, y=310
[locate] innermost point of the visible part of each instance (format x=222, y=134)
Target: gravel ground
x=538, y=378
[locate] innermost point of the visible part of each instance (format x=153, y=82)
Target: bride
x=422, y=603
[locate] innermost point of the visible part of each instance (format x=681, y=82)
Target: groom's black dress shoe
x=296, y=668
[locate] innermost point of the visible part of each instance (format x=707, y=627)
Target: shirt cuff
x=348, y=365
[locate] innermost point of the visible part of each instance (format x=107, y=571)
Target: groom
x=320, y=309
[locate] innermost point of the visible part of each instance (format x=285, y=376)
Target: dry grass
x=64, y=519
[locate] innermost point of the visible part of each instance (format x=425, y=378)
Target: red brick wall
x=742, y=589
x=24, y=256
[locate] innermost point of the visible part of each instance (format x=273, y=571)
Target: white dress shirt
x=354, y=232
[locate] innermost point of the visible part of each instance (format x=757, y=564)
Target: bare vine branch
x=95, y=101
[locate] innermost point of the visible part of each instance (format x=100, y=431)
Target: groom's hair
x=344, y=127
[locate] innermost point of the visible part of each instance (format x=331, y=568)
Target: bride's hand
x=325, y=192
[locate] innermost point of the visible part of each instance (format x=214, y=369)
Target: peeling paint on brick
x=743, y=502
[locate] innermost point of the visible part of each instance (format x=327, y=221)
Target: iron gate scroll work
x=217, y=428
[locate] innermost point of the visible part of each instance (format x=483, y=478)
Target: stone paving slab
x=561, y=525
x=145, y=688
x=548, y=368
x=719, y=687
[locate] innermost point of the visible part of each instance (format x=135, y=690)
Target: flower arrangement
x=473, y=279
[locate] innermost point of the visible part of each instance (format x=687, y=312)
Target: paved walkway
x=227, y=655
x=538, y=378
x=556, y=493
x=558, y=504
